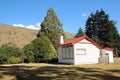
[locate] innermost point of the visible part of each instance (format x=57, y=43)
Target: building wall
x=110, y=53
x=106, y=56
x=91, y=55
x=65, y=55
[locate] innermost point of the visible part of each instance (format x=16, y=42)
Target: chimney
x=61, y=40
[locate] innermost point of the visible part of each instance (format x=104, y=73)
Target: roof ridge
x=75, y=40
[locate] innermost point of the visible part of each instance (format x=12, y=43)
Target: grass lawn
x=43, y=71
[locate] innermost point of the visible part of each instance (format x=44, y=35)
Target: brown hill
x=19, y=36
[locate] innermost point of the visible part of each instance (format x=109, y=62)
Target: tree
x=43, y=49
x=117, y=48
x=80, y=33
x=96, y=24
x=51, y=27
x=28, y=51
x=101, y=28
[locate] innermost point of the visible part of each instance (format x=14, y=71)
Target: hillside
x=19, y=36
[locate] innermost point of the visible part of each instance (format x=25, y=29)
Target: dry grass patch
x=60, y=72
x=117, y=60
x=20, y=36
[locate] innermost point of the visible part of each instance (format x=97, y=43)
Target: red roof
x=111, y=49
x=75, y=40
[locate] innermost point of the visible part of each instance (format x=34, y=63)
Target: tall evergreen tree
x=117, y=48
x=51, y=27
x=101, y=28
x=80, y=33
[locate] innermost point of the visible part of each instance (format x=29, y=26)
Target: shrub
x=3, y=59
x=54, y=60
x=43, y=49
x=7, y=51
x=13, y=60
x=28, y=51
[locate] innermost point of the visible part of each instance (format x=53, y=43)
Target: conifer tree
x=80, y=33
x=51, y=27
x=102, y=29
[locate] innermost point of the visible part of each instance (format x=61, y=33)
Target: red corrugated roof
x=107, y=48
x=75, y=40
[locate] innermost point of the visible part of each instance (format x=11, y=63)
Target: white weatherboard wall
x=91, y=56
x=62, y=52
x=110, y=53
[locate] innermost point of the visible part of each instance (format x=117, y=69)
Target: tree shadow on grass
x=56, y=73
x=114, y=71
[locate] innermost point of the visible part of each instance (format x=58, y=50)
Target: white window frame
x=66, y=52
x=80, y=51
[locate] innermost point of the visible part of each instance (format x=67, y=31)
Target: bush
x=7, y=51
x=43, y=49
x=54, y=60
x=13, y=60
x=3, y=59
x=28, y=51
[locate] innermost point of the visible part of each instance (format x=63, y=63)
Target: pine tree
x=117, y=48
x=80, y=33
x=51, y=27
x=102, y=29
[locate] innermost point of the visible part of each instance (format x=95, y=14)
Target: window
x=81, y=51
x=106, y=53
x=71, y=51
x=67, y=52
x=63, y=52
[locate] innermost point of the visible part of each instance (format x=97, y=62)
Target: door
x=104, y=59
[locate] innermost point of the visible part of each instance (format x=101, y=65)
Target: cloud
x=85, y=14
x=30, y=27
x=38, y=25
x=19, y=25
x=35, y=27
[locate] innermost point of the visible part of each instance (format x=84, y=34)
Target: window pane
x=81, y=51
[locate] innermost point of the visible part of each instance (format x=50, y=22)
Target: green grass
x=54, y=72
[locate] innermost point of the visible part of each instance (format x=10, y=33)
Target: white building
x=83, y=50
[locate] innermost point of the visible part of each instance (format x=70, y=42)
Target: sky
x=72, y=14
